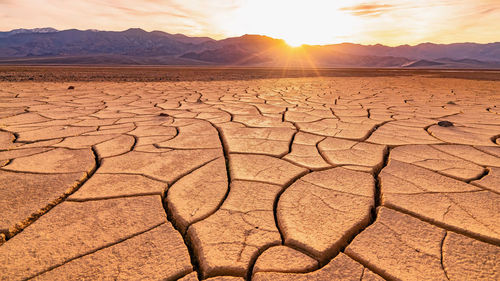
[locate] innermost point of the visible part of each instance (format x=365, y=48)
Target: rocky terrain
x=326, y=178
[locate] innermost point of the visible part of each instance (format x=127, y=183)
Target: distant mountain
x=136, y=46
x=427, y=51
x=244, y=50
x=132, y=42
x=24, y=31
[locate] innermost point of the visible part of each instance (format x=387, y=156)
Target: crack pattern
x=259, y=179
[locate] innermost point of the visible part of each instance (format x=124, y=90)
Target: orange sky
x=389, y=22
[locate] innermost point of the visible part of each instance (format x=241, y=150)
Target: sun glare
x=315, y=22
x=294, y=43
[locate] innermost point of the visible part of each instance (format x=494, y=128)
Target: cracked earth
x=290, y=179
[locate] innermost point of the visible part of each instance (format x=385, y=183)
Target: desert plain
x=244, y=175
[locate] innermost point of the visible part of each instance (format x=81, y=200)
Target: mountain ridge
x=137, y=46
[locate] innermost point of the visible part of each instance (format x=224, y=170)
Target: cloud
x=390, y=22
x=488, y=11
x=141, y=13
x=368, y=9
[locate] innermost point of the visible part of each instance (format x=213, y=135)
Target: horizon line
x=247, y=34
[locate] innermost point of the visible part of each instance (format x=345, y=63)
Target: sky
x=388, y=22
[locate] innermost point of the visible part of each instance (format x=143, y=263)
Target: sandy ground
x=173, y=73
x=333, y=178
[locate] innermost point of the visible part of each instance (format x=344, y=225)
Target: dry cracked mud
x=339, y=178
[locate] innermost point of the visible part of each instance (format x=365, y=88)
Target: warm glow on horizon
x=294, y=22
x=388, y=22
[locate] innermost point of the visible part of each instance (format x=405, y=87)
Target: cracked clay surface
x=346, y=178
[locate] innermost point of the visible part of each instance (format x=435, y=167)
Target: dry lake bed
x=392, y=176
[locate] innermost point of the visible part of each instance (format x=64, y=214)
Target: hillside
x=138, y=47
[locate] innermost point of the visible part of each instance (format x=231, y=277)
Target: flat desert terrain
x=357, y=175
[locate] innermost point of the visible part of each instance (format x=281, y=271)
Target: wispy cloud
x=390, y=22
x=141, y=13
x=489, y=10
x=194, y=17
x=368, y=9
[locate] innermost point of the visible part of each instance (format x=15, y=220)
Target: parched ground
x=338, y=178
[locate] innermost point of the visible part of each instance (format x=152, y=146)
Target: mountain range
x=138, y=47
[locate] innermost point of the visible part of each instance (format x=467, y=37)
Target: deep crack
x=20, y=226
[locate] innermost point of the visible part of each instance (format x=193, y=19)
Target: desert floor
x=332, y=178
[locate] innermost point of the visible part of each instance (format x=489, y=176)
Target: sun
x=295, y=43
x=312, y=22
